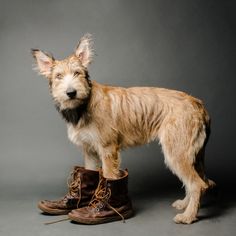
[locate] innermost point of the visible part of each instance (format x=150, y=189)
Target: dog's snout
x=71, y=92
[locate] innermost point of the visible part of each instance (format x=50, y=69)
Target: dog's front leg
x=91, y=158
x=110, y=158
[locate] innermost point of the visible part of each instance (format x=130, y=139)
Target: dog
x=104, y=120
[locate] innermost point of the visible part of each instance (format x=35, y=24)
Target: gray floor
x=153, y=217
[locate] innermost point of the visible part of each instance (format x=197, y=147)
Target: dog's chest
x=84, y=135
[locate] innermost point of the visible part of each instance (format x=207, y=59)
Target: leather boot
x=109, y=203
x=81, y=187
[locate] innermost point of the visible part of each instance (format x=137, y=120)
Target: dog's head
x=68, y=79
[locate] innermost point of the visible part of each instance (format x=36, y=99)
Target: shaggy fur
x=105, y=119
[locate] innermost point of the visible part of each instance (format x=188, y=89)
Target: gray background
x=184, y=45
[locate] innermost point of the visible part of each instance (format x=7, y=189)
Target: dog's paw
x=180, y=204
x=184, y=219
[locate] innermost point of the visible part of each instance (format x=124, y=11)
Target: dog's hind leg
x=200, y=168
x=180, y=155
x=194, y=185
x=181, y=204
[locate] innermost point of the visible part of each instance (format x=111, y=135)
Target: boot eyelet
x=97, y=209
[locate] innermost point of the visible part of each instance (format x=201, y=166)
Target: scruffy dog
x=104, y=119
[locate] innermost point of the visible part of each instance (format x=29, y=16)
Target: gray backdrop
x=183, y=45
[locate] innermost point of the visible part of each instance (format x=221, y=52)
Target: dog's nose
x=71, y=92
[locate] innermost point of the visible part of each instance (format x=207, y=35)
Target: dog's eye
x=59, y=76
x=76, y=73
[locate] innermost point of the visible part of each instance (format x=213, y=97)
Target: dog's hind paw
x=184, y=219
x=180, y=204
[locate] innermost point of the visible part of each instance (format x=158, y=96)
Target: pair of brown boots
x=92, y=199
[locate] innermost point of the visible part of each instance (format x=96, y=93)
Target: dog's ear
x=44, y=62
x=84, y=51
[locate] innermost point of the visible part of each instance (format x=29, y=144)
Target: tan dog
x=104, y=119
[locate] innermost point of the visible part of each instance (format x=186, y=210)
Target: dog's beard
x=72, y=115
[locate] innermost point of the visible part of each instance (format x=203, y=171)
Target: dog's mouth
x=72, y=99
x=72, y=103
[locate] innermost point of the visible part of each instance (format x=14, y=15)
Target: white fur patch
x=68, y=81
x=79, y=136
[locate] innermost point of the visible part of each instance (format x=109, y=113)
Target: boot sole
x=51, y=211
x=86, y=221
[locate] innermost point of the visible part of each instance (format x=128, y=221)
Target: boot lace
x=101, y=197
x=74, y=186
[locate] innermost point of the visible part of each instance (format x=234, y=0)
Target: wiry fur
x=105, y=119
